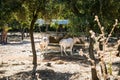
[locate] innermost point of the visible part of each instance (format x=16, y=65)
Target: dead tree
x=102, y=43
x=92, y=57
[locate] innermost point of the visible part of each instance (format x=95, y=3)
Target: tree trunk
x=103, y=69
x=22, y=36
x=46, y=28
x=93, y=64
x=91, y=53
x=94, y=74
x=101, y=60
x=118, y=54
x=33, y=51
x=4, y=37
x=22, y=33
x=4, y=34
x=33, y=45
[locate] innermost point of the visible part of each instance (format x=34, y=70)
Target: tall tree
x=6, y=11
x=85, y=10
x=34, y=7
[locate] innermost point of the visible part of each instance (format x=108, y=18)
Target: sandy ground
x=16, y=63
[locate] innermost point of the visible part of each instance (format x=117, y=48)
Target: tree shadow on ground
x=118, y=66
x=2, y=71
x=19, y=42
x=46, y=74
x=56, y=56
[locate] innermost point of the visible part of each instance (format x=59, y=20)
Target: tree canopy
x=81, y=12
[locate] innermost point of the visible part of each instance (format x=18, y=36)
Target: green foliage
x=7, y=7
x=54, y=25
x=80, y=12
x=118, y=25
x=6, y=28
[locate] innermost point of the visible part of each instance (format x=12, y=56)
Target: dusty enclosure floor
x=16, y=64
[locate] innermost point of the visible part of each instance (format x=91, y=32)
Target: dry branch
x=116, y=23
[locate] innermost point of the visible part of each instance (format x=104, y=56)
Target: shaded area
x=57, y=56
x=119, y=72
x=17, y=43
x=2, y=71
x=118, y=66
x=51, y=75
x=46, y=74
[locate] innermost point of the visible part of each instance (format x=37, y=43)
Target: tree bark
x=93, y=64
x=103, y=69
x=4, y=34
x=33, y=47
x=118, y=54
x=94, y=74
x=91, y=53
x=33, y=44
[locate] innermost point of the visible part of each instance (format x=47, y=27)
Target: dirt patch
x=16, y=64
